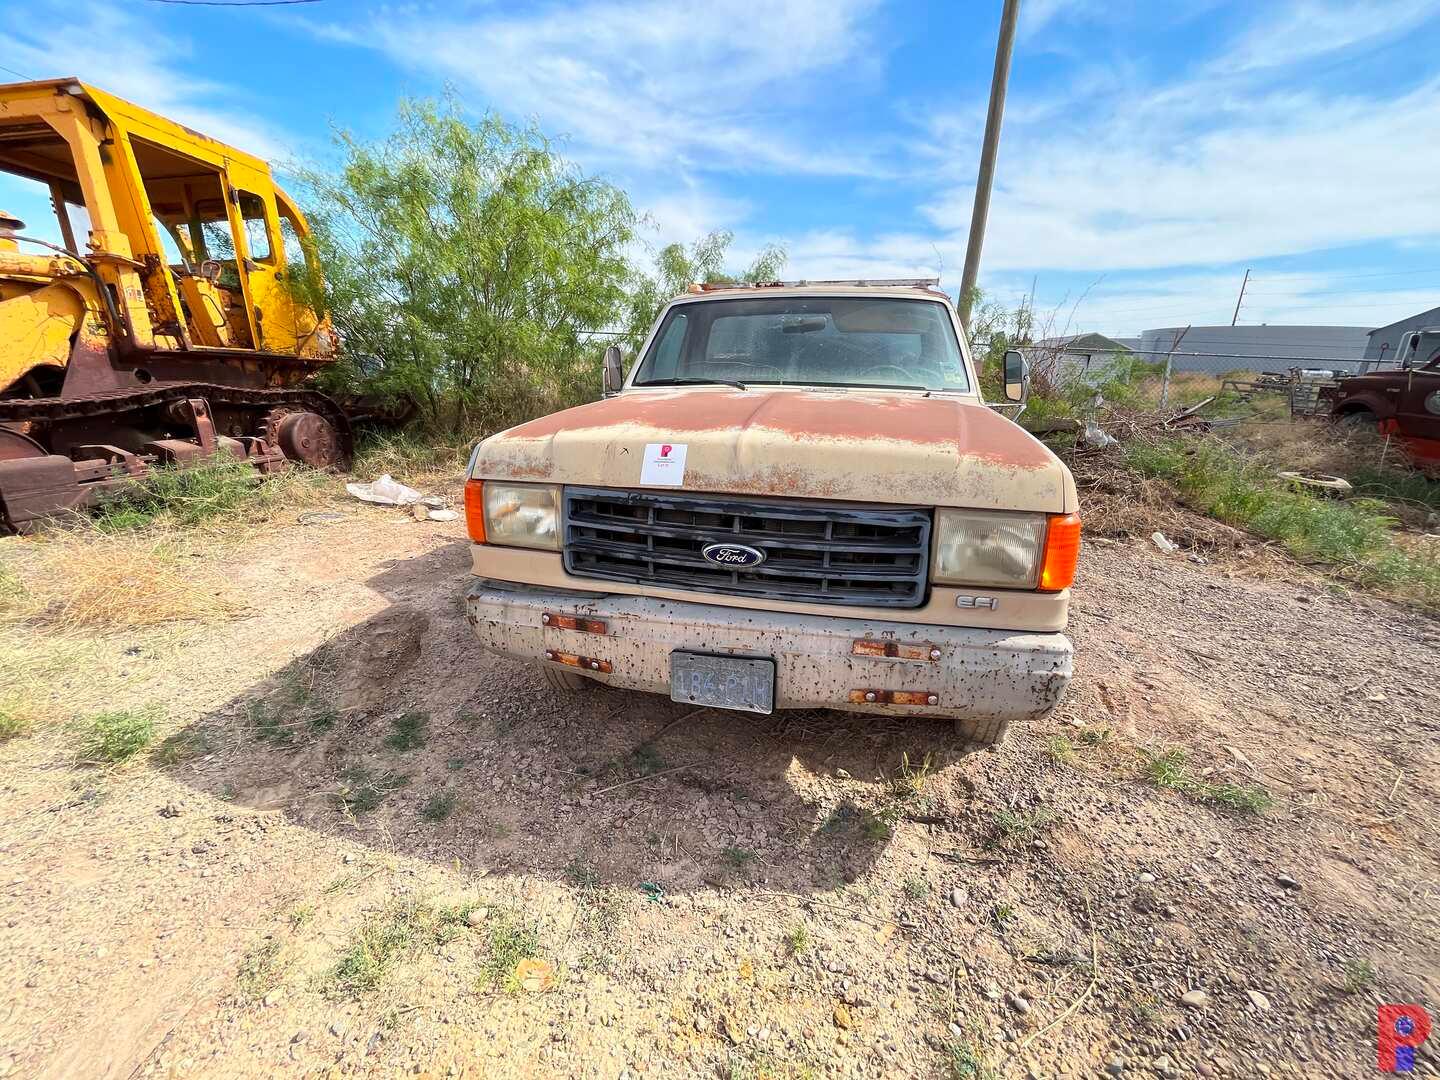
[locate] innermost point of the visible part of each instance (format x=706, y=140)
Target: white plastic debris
x=1163, y=542
x=443, y=515
x=1097, y=436
x=386, y=491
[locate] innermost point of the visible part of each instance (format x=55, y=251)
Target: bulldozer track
x=114, y=401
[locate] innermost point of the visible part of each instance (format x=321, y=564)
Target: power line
x=12, y=71
x=1387, y=273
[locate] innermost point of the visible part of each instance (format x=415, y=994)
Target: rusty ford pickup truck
x=796, y=499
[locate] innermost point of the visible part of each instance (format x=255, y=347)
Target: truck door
x=1419, y=405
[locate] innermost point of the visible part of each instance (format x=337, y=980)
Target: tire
x=1360, y=418
x=980, y=734
x=560, y=679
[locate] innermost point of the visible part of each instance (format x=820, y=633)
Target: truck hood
x=860, y=446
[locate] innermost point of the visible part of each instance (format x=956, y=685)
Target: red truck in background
x=1403, y=401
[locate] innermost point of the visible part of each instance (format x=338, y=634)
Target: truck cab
x=796, y=499
x=1403, y=401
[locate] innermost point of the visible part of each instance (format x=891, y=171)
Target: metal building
x=1385, y=340
x=1259, y=348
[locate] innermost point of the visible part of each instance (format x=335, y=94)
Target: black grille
x=819, y=554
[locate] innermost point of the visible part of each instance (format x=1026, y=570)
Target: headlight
x=522, y=515
x=975, y=547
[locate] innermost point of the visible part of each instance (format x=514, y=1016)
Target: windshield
x=807, y=340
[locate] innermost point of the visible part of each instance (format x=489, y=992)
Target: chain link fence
x=1074, y=379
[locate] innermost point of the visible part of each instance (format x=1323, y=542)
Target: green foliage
x=512, y=938
x=677, y=267
x=407, y=731
x=1359, y=976
x=12, y=725
x=797, y=938
x=362, y=791
x=1018, y=826
x=1168, y=770
x=116, y=737
x=439, y=806
x=464, y=264
x=387, y=938
x=1357, y=537
x=186, y=496
x=182, y=746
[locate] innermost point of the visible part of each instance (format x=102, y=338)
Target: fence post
x=1169, y=360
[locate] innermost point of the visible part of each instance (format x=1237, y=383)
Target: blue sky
x=1151, y=151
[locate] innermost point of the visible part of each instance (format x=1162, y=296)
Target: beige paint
x=1017, y=610
x=754, y=459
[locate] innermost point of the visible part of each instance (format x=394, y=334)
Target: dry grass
x=85, y=580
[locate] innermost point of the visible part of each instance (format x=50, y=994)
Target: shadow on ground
x=403, y=734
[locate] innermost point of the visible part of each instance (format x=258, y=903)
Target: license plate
x=725, y=682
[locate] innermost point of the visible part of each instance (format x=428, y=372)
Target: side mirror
x=613, y=376
x=1015, y=375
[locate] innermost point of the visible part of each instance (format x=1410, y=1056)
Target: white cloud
x=1309, y=28
x=116, y=51
x=653, y=84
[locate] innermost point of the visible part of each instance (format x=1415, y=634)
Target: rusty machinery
x=171, y=336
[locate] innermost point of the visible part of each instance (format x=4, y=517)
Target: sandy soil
x=360, y=822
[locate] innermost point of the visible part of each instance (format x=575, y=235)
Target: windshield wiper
x=695, y=382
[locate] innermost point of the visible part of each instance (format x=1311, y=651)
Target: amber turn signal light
x=475, y=509
x=1062, y=551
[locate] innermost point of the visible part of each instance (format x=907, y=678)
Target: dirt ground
x=365, y=847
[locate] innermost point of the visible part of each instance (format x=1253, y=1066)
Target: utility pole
x=1240, y=297
x=988, y=151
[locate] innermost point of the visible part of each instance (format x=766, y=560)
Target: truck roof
x=905, y=288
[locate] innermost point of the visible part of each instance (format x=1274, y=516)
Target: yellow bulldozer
x=160, y=330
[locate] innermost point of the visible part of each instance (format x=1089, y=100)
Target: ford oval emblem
x=732, y=556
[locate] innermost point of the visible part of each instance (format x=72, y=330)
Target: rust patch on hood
x=964, y=428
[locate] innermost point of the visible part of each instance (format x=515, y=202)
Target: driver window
x=257, y=231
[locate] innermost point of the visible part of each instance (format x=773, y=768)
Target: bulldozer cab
x=191, y=238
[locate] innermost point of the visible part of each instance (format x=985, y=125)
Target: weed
x=301, y=916
x=267, y=725
x=185, y=496
x=362, y=791
x=1096, y=736
x=386, y=938
x=915, y=887
x=260, y=970
x=12, y=725
x=965, y=1063
x=909, y=783
x=407, y=731
x=1168, y=770
x=582, y=875
x=455, y=764
x=797, y=939
x=1017, y=827
x=324, y=720
x=646, y=759
x=1002, y=915
x=439, y=806
x=1060, y=750
x=1359, y=976
x=879, y=825
x=182, y=746
x=1355, y=537
x=116, y=737
x=739, y=859
x=512, y=938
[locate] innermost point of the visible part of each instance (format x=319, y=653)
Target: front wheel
x=1360, y=418
x=560, y=679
